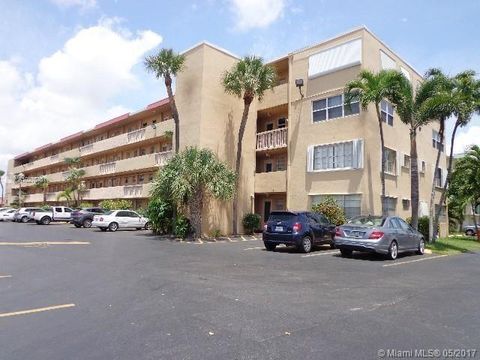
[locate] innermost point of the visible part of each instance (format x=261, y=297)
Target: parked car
x=120, y=219
x=387, y=235
x=7, y=215
x=469, y=230
x=23, y=214
x=300, y=228
x=84, y=217
x=56, y=213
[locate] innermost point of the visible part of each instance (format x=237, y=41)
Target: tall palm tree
x=42, y=183
x=372, y=88
x=73, y=162
x=74, y=179
x=19, y=179
x=248, y=79
x=192, y=176
x=167, y=64
x=2, y=173
x=465, y=101
x=67, y=195
x=434, y=104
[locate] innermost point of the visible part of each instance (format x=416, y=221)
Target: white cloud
x=256, y=13
x=73, y=89
x=83, y=4
x=465, y=139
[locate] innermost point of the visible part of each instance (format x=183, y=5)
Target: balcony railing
x=133, y=190
x=135, y=136
x=162, y=158
x=86, y=149
x=272, y=139
x=107, y=168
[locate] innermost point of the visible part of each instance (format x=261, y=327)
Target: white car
x=7, y=215
x=120, y=219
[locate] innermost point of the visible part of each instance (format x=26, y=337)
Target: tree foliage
x=251, y=222
x=332, y=211
x=160, y=213
x=118, y=204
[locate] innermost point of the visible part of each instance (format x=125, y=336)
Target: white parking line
x=255, y=248
x=5, y=276
x=243, y=239
x=321, y=253
x=44, y=243
x=32, y=311
x=416, y=260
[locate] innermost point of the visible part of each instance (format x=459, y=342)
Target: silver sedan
x=388, y=235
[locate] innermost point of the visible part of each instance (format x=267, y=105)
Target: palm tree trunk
x=44, y=196
x=247, y=100
x=443, y=195
x=414, y=177
x=475, y=221
x=3, y=195
x=382, y=144
x=196, y=207
x=173, y=108
x=432, y=194
x=20, y=194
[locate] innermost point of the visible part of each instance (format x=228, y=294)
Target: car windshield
x=367, y=220
x=281, y=216
x=108, y=212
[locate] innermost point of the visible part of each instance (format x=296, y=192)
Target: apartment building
x=301, y=144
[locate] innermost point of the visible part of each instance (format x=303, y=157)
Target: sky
x=66, y=65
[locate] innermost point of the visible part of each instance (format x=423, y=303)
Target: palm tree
x=1, y=184
x=74, y=179
x=19, y=179
x=42, y=183
x=250, y=78
x=464, y=101
x=372, y=88
x=73, y=162
x=67, y=195
x=192, y=176
x=167, y=64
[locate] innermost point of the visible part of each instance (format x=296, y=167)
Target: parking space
x=129, y=294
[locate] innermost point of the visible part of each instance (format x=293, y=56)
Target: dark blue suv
x=300, y=228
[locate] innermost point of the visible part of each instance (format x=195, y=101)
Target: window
x=390, y=161
x=338, y=57
x=281, y=164
x=350, y=203
x=386, y=111
x=438, y=177
x=122, y=214
x=436, y=140
x=333, y=107
x=390, y=205
x=423, y=167
x=406, y=204
x=279, y=205
x=406, y=161
x=343, y=155
x=269, y=126
x=140, y=178
x=386, y=61
x=282, y=122
x=268, y=167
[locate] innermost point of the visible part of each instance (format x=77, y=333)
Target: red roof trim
x=70, y=137
x=21, y=155
x=157, y=104
x=43, y=147
x=112, y=121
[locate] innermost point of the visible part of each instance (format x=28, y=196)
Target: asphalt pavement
x=68, y=293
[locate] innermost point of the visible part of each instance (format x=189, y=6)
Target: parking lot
x=70, y=293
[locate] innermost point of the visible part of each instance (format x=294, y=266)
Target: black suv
x=300, y=228
x=84, y=217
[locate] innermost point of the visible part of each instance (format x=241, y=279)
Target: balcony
x=112, y=143
x=271, y=182
x=273, y=139
x=277, y=96
x=118, y=192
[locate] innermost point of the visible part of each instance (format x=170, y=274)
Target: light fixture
x=299, y=85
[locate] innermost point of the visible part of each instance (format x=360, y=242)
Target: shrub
x=332, y=211
x=216, y=233
x=251, y=222
x=160, y=214
x=182, y=227
x=85, y=205
x=423, y=225
x=116, y=204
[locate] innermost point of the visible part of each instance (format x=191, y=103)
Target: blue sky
x=67, y=64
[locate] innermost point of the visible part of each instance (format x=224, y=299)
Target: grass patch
x=455, y=245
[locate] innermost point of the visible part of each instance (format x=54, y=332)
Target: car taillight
x=338, y=231
x=376, y=234
x=265, y=227
x=297, y=227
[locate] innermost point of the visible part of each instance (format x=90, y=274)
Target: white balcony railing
x=272, y=139
x=133, y=190
x=162, y=158
x=86, y=149
x=107, y=168
x=136, y=135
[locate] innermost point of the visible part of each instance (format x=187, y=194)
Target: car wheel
x=138, y=228
x=103, y=229
x=332, y=245
x=306, y=244
x=77, y=226
x=421, y=247
x=393, y=250
x=113, y=227
x=45, y=220
x=87, y=223
x=148, y=226
x=269, y=246
x=469, y=232
x=24, y=219
x=346, y=252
